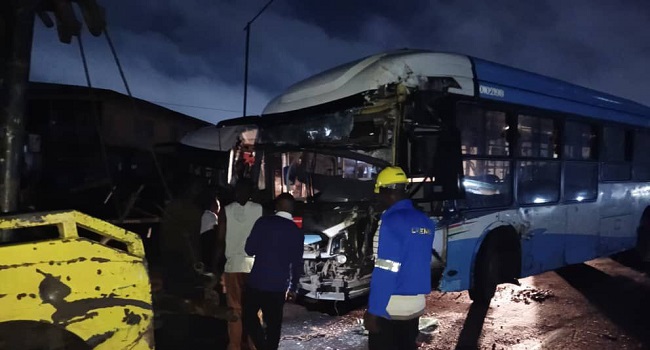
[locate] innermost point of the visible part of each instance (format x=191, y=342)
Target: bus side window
x=537, y=137
x=579, y=141
x=538, y=182
x=538, y=178
x=487, y=183
x=581, y=168
x=485, y=133
x=614, y=154
x=580, y=181
x=641, y=156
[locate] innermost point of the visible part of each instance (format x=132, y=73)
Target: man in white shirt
x=209, y=221
x=209, y=218
x=234, y=228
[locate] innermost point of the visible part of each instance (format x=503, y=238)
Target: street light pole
x=248, y=38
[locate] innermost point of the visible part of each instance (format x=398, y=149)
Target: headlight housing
x=337, y=243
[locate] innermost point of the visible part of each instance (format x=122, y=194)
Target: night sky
x=191, y=52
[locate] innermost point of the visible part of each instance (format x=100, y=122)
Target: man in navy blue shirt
x=277, y=244
x=402, y=275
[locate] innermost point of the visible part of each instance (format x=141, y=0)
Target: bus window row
x=588, y=151
x=488, y=182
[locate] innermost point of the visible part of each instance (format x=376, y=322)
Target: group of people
x=259, y=252
x=264, y=263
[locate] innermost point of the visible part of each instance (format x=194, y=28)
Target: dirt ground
x=603, y=304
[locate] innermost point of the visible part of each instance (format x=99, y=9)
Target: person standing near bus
x=209, y=222
x=278, y=244
x=234, y=228
x=402, y=275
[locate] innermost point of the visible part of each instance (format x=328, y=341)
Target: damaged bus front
x=334, y=192
x=325, y=141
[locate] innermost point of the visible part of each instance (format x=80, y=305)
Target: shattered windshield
x=343, y=128
x=325, y=178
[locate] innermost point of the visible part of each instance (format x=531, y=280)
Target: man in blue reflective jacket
x=402, y=275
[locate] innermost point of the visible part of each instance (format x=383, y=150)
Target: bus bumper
x=315, y=288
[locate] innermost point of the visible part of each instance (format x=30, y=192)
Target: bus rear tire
x=487, y=272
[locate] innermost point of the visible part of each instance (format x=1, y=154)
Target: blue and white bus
x=523, y=173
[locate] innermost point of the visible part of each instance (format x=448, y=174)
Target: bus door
x=435, y=166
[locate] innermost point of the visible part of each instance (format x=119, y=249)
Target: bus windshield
x=325, y=178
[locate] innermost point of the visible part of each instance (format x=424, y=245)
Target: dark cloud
x=346, y=19
x=191, y=52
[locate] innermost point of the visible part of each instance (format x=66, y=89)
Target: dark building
x=93, y=150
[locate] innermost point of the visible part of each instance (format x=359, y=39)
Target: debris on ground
x=427, y=325
x=604, y=335
x=304, y=338
x=359, y=328
x=531, y=294
x=609, y=336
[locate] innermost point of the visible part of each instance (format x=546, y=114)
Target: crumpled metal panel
x=98, y=293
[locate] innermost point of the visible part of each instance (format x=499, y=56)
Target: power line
x=200, y=107
x=248, y=38
x=259, y=13
x=117, y=62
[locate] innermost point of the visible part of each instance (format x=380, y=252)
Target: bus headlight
x=337, y=245
x=341, y=259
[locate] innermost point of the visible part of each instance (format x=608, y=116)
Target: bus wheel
x=643, y=236
x=487, y=272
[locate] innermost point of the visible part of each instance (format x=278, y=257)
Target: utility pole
x=17, y=22
x=16, y=36
x=248, y=38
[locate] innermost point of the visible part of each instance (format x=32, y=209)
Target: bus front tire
x=487, y=272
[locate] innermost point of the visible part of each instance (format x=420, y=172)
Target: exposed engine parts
x=338, y=260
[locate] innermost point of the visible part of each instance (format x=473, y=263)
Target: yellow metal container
x=73, y=289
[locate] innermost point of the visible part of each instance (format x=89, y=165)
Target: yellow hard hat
x=391, y=175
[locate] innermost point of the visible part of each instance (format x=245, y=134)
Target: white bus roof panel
x=370, y=73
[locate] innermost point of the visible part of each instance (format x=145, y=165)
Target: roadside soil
x=602, y=304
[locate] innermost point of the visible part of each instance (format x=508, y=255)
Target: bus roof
x=476, y=77
x=502, y=83
x=370, y=73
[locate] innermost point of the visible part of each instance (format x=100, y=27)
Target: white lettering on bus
x=491, y=91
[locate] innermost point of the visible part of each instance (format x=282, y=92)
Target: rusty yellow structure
x=74, y=290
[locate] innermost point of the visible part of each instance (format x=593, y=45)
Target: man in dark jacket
x=277, y=244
